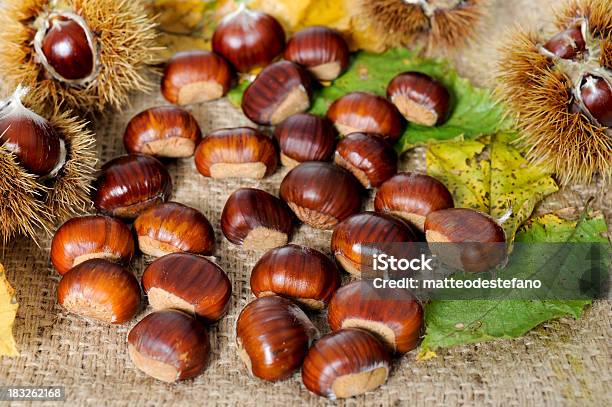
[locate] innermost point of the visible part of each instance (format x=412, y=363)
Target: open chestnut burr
x=321, y=50
x=273, y=335
x=172, y=227
x=129, y=184
x=370, y=158
x=412, y=196
x=305, y=137
x=190, y=283
x=346, y=363
x=351, y=238
x=393, y=315
x=279, y=91
x=419, y=98
x=361, y=112
x=169, y=345
x=321, y=194
x=297, y=272
x=466, y=239
x=256, y=220
x=165, y=131
x=91, y=237
x=236, y=152
x=195, y=76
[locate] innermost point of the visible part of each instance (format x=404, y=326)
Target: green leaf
x=452, y=323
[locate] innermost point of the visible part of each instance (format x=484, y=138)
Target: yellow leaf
x=8, y=310
x=426, y=354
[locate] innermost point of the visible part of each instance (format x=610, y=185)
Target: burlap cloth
x=563, y=362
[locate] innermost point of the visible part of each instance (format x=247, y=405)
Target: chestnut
x=366, y=113
x=91, y=237
x=195, y=77
x=100, y=290
x=596, y=95
x=129, y=184
x=370, y=158
x=393, y=315
x=321, y=50
x=280, y=90
x=190, y=283
x=420, y=98
x=354, y=239
x=412, y=196
x=305, y=137
x=273, y=335
x=165, y=131
x=169, y=345
x=236, y=152
x=568, y=44
x=256, y=220
x=346, y=363
x=173, y=227
x=248, y=39
x=321, y=194
x=465, y=239
x=298, y=272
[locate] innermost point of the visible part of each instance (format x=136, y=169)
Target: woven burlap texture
x=563, y=362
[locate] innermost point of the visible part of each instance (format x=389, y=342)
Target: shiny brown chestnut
x=412, y=196
x=480, y=240
x=393, y=315
x=568, y=44
x=172, y=227
x=370, y=158
x=297, y=272
x=321, y=50
x=169, y=345
x=91, y=237
x=279, y=91
x=351, y=238
x=305, y=137
x=165, y=131
x=236, y=152
x=346, y=363
x=195, y=77
x=360, y=112
x=321, y=194
x=596, y=95
x=248, y=39
x=256, y=220
x=129, y=184
x=273, y=335
x=100, y=290
x=420, y=98
x=190, y=283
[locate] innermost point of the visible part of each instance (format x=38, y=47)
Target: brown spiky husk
x=399, y=23
x=455, y=27
x=28, y=206
x=540, y=98
x=126, y=43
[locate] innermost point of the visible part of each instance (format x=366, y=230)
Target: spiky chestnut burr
x=84, y=54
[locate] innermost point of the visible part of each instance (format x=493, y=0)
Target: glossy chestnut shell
x=196, y=76
x=169, y=345
x=90, y=237
x=279, y=91
x=172, y=227
x=321, y=50
x=412, y=196
x=297, y=272
x=190, y=283
x=370, y=158
x=321, y=194
x=273, y=335
x=236, y=152
x=256, y=220
x=360, y=112
x=596, y=94
x=305, y=137
x=129, y=184
x=568, y=44
x=393, y=315
x=164, y=131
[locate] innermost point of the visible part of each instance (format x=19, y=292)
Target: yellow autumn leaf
x=8, y=310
